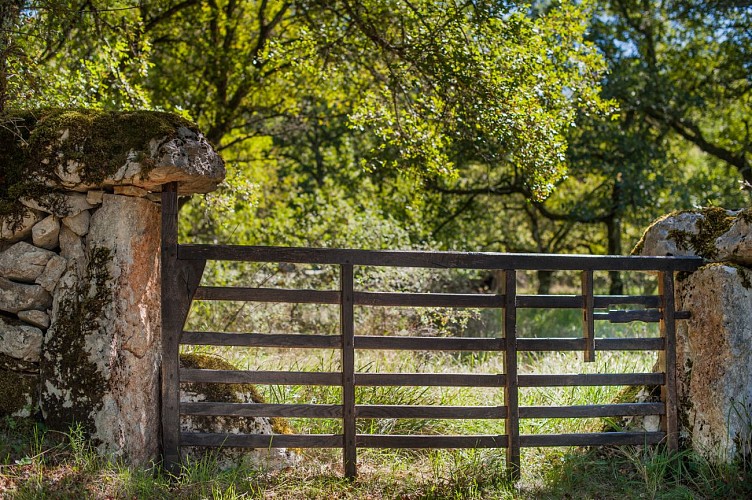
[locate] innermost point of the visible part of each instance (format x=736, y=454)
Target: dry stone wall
x=714, y=347
x=80, y=325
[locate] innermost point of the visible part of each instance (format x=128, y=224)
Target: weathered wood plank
x=587, y=411
x=347, y=325
x=262, y=340
x=601, y=344
x=262, y=410
x=260, y=377
x=588, y=323
x=422, y=411
x=575, y=301
x=429, y=379
x=667, y=360
x=511, y=391
x=429, y=343
x=596, y=439
x=173, y=301
x=412, y=441
x=460, y=260
x=383, y=299
x=646, y=316
x=268, y=295
x=591, y=379
x=262, y=441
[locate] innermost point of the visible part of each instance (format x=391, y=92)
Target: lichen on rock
x=73, y=384
x=713, y=233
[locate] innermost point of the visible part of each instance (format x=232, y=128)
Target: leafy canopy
x=424, y=85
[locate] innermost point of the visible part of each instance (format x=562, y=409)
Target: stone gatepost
x=714, y=347
x=80, y=323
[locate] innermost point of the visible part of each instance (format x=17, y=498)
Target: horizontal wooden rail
x=601, y=344
x=205, y=408
x=282, y=340
x=265, y=441
x=592, y=439
x=589, y=411
x=412, y=441
x=438, y=412
x=261, y=340
x=591, y=379
x=262, y=441
x=646, y=316
x=429, y=380
x=267, y=295
x=429, y=343
x=459, y=260
x=477, y=300
x=259, y=377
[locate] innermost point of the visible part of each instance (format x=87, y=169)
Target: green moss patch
x=34, y=145
x=226, y=393
x=18, y=393
x=715, y=222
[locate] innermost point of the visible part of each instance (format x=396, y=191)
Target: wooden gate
x=182, y=268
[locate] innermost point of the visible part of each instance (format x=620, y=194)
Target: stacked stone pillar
x=80, y=324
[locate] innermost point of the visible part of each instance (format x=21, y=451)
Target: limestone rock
x=52, y=273
x=39, y=319
x=659, y=238
x=23, y=262
x=735, y=245
x=716, y=234
x=61, y=205
x=79, y=224
x=101, y=354
x=714, y=349
x=16, y=297
x=19, y=394
x=228, y=393
x=94, y=197
x=71, y=245
x=131, y=191
x=16, y=232
x=19, y=340
x=45, y=233
x=187, y=158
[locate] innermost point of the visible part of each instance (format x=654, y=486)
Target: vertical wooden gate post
x=180, y=279
x=667, y=358
x=588, y=320
x=171, y=328
x=511, y=390
x=348, y=369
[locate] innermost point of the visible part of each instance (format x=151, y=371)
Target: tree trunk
x=613, y=228
x=9, y=12
x=544, y=282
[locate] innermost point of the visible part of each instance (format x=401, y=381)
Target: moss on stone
x=227, y=393
x=743, y=272
x=18, y=365
x=714, y=222
x=36, y=145
x=18, y=393
x=66, y=362
x=637, y=250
